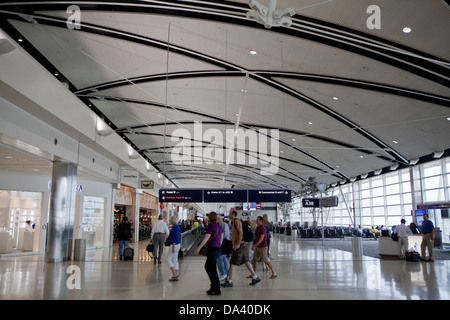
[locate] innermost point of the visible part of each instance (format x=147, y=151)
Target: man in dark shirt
x=124, y=235
x=428, y=239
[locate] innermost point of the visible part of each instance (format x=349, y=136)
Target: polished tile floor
x=305, y=272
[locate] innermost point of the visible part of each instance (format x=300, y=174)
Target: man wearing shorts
x=239, y=254
x=260, y=247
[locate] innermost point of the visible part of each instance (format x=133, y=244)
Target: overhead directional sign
x=311, y=202
x=181, y=195
x=258, y=195
x=224, y=195
x=327, y=202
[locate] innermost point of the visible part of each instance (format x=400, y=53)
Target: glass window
x=377, y=182
x=434, y=195
x=405, y=175
x=393, y=189
x=406, y=186
x=377, y=192
x=434, y=182
x=365, y=203
x=365, y=194
x=392, y=178
x=407, y=198
x=93, y=222
x=365, y=184
x=432, y=169
x=379, y=221
x=394, y=199
x=378, y=211
x=379, y=201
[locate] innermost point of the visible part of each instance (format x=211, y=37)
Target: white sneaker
x=223, y=277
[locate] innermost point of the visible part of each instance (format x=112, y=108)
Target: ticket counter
x=389, y=247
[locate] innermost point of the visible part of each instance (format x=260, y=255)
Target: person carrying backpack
x=123, y=235
x=239, y=254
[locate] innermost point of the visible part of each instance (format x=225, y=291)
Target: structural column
x=62, y=211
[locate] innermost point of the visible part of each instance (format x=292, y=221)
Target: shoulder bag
x=204, y=250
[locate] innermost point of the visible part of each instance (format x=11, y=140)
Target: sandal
x=174, y=278
x=273, y=276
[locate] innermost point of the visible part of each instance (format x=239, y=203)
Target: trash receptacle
x=79, y=250
x=357, y=248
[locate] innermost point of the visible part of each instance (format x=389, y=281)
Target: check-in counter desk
x=389, y=247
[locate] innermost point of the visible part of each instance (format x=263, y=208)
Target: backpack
x=248, y=234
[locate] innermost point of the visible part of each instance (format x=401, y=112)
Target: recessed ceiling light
x=335, y=98
x=9, y=157
x=310, y=123
x=448, y=118
x=407, y=30
x=253, y=52
x=20, y=39
x=293, y=140
x=395, y=141
x=361, y=157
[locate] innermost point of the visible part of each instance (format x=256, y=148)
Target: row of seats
x=329, y=232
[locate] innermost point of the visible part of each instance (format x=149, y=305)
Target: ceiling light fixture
x=254, y=52
x=407, y=30
x=133, y=156
x=104, y=132
x=335, y=98
x=395, y=141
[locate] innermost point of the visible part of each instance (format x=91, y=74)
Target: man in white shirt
x=159, y=233
x=403, y=232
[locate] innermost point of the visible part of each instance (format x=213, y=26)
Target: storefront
x=25, y=197
x=20, y=220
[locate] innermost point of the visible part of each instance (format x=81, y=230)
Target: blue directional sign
x=262, y=195
x=181, y=195
x=224, y=195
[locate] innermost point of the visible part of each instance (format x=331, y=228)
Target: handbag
x=204, y=250
x=394, y=237
x=166, y=243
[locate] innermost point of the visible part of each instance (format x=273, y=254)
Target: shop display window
x=93, y=221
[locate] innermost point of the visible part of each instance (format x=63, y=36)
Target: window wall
x=385, y=199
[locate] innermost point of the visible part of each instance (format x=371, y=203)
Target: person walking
x=269, y=229
x=174, y=248
x=428, y=239
x=215, y=235
x=159, y=233
x=123, y=235
x=222, y=262
x=239, y=255
x=403, y=232
x=260, y=247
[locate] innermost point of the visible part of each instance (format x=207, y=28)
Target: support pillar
x=62, y=211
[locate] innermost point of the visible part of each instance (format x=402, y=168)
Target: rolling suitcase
x=128, y=253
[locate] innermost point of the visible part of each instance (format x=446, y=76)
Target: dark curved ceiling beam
x=259, y=126
x=372, y=86
x=389, y=52
x=95, y=29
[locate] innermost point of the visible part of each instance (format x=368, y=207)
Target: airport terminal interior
x=330, y=117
